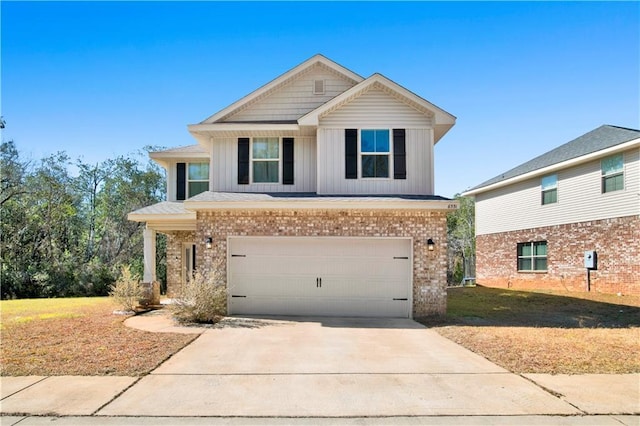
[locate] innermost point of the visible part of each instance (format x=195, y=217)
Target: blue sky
x=99, y=80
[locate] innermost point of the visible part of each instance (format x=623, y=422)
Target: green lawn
x=25, y=310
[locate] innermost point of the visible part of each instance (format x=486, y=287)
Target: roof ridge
x=620, y=127
x=598, y=139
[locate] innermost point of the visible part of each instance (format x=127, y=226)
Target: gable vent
x=318, y=87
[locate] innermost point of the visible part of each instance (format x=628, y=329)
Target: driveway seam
x=558, y=395
x=116, y=396
x=26, y=387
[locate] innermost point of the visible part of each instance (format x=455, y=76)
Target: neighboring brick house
x=535, y=222
x=313, y=195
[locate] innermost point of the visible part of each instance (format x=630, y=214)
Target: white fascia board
x=556, y=167
x=447, y=205
x=162, y=218
x=442, y=117
x=172, y=155
x=279, y=80
x=172, y=226
x=164, y=158
x=240, y=127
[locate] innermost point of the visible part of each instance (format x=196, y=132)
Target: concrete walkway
x=321, y=371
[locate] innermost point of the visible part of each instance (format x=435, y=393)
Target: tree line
x=461, y=234
x=66, y=234
x=63, y=223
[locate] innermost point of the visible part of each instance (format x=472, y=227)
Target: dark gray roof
x=601, y=138
x=305, y=196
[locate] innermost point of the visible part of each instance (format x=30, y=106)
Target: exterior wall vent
x=318, y=87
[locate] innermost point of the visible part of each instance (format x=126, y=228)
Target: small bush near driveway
x=545, y=332
x=200, y=300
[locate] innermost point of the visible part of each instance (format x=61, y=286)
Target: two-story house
x=312, y=195
x=539, y=224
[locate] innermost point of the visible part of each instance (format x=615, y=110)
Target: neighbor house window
x=266, y=160
x=532, y=256
x=197, y=178
x=549, y=185
x=375, y=153
x=612, y=173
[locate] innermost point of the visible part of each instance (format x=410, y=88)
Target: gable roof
x=443, y=121
x=281, y=81
x=598, y=142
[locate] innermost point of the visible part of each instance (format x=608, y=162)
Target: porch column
x=149, y=255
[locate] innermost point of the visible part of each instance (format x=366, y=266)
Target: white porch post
x=149, y=255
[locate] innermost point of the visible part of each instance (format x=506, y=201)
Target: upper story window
x=612, y=173
x=265, y=160
x=197, y=178
x=549, y=185
x=370, y=153
x=532, y=256
x=191, y=179
x=262, y=160
x=375, y=153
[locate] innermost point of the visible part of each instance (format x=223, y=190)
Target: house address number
x=452, y=206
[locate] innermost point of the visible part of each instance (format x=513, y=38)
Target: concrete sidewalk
x=321, y=371
x=324, y=421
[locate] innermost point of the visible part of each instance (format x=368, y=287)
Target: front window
x=266, y=160
x=375, y=153
x=612, y=173
x=549, y=185
x=197, y=178
x=532, y=256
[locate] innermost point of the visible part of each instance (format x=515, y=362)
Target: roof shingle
x=603, y=137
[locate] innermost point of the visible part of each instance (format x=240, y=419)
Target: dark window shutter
x=243, y=161
x=287, y=161
x=399, y=154
x=181, y=182
x=351, y=153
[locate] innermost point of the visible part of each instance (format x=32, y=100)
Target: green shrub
x=127, y=290
x=200, y=300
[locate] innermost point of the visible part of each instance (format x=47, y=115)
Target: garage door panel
x=261, y=286
x=320, y=276
x=315, y=307
x=364, y=288
x=368, y=267
x=279, y=265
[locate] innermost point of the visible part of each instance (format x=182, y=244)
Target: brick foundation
x=429, y=269
x=616, y=241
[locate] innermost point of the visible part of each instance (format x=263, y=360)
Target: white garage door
x=327, y=276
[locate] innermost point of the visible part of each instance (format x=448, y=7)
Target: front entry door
x=188, y=261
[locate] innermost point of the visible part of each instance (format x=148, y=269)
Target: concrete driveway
x=330, y=367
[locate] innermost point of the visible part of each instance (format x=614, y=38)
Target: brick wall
x=174, y=258
x=616, y=241
x=429, y=269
